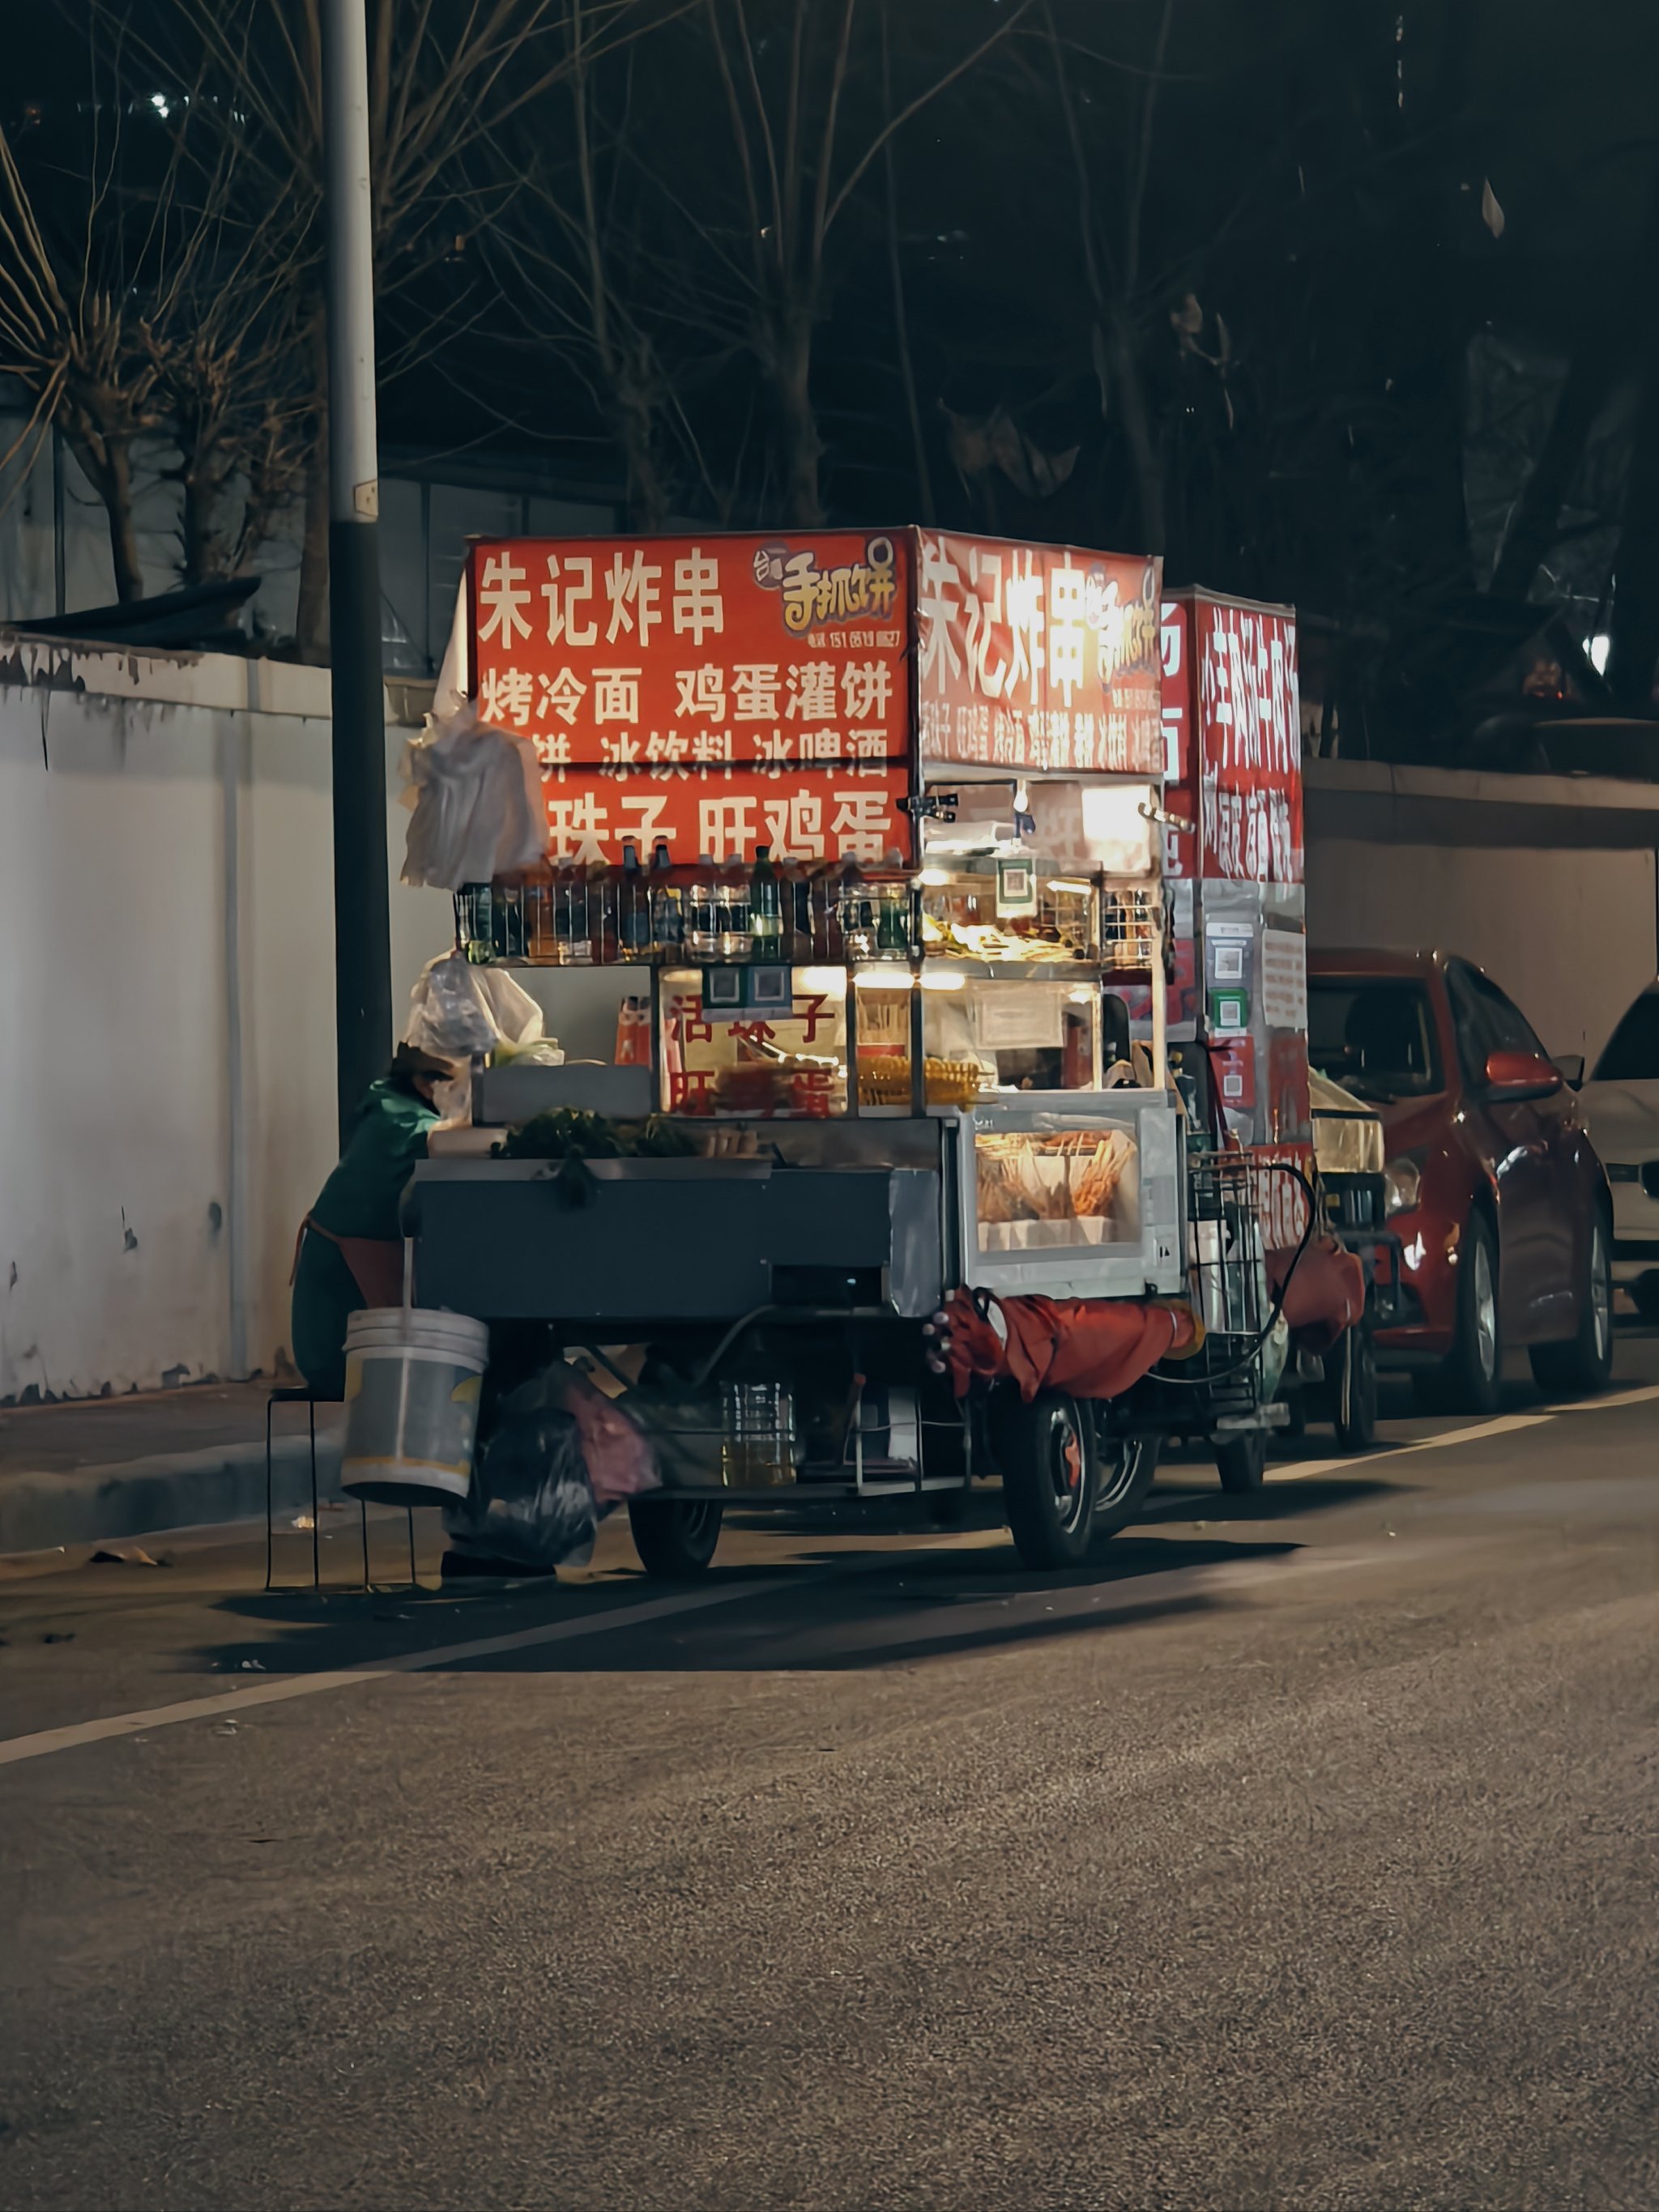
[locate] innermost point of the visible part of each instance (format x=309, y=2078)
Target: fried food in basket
x=1045, y=1178
x=1095, y=1178
x=886, y=1081
x=995, y=1199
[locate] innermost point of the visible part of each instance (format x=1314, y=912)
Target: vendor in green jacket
x=350, y=1253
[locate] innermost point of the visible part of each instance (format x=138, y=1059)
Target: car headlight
x=1402, y=1183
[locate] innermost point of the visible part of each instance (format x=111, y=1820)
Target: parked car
x=1621, y=1108
x=1504, y=1212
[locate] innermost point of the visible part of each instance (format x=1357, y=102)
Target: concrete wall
x=167, y=1108
x=1568, y=934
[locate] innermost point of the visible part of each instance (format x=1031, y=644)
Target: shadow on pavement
x=833, y=1612
x=1278, y=1501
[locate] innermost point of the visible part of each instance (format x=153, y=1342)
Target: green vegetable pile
x=574, y=1136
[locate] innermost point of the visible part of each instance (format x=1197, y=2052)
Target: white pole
x=362, y=951
x=353, y=461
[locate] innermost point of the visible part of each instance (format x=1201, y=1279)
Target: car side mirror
x=1516, y=1075
x=1570, y=1066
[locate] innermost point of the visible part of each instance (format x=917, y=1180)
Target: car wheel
x=1124, y=1467
x=1044, y=1451
x=674, y=1537
x=1241, y=1461
x=1350, y=1378
x=1468, y=1380
x=1584, y=1363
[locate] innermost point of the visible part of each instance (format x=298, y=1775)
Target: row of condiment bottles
x=567, y=913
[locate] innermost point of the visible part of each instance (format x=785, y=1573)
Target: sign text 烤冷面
x=713, y=693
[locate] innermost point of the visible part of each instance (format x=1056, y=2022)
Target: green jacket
x=360, y=1199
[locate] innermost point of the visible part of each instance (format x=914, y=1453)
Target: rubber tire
x=1645, y=1293
x=1351, y=1369
x=1460, y=1384
x=675, y=1537
x=1026, y=1438
x=1115, y=1506
x=1581, y=1365
x=1241, y=1461
x=945, y=1508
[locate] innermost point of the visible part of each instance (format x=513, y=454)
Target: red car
x=1497, y=1196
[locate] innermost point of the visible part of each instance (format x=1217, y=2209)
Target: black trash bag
x=530, y=1500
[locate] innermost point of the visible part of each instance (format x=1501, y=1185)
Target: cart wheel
x=1241, y=1461
x=1350, y=1374
x=945, y=1508
x=1048, y=1477
x=674, y=1537
x=1124, y=1467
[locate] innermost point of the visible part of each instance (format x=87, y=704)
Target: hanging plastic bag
x=560, y=1455
x=530, y=1501
x=456, y=1009
x=517, y=1017
x=475, y=797
x=620, y=1461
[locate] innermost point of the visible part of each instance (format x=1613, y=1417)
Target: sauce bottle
x=765, y=908
x=633, y=908
x=667, y=898
x=702, y=928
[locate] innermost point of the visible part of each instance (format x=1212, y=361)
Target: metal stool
x=303, y=1395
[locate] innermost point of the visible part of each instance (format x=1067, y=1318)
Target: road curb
x=173, y=1490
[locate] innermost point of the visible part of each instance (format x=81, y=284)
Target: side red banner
x=1036, y=656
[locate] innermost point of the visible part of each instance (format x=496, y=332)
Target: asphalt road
x=1301, y=1852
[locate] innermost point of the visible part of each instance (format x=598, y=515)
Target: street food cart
x=898, y=1177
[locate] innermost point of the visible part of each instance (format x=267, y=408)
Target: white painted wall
x=1568, y=935
x=167, y=1004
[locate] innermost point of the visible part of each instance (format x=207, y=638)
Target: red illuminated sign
x=714, y=692
x=855, y=812
x=1036, y=656
x=721, y=691
x=1233, y=724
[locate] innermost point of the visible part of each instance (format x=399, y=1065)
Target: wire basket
x=1226, y=1258
x=1129, y=927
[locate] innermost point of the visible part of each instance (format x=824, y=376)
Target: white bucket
x=412, y=1381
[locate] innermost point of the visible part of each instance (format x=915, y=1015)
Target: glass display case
x=1068, y=1185
x=1077, y=1198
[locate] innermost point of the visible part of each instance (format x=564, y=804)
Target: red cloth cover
x=1091, y=1347
x=1326, y=1295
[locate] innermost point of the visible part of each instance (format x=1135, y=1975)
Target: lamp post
x=362, y=949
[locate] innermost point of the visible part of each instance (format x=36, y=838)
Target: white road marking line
x=283, y=1687
x=408, y=1663
x=1505, y=1426
x=1609, y=1404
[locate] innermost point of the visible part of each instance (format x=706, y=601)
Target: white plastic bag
x=517, y=1017
x=456, y=1009
x=475, y=796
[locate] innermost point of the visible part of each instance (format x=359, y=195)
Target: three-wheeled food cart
x=925, y=1153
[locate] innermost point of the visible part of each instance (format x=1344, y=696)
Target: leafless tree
x=154, y=316
x=1112, y=253
x=444, y=75
x=790, y=102
x=71, y=337
x=578, y=244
